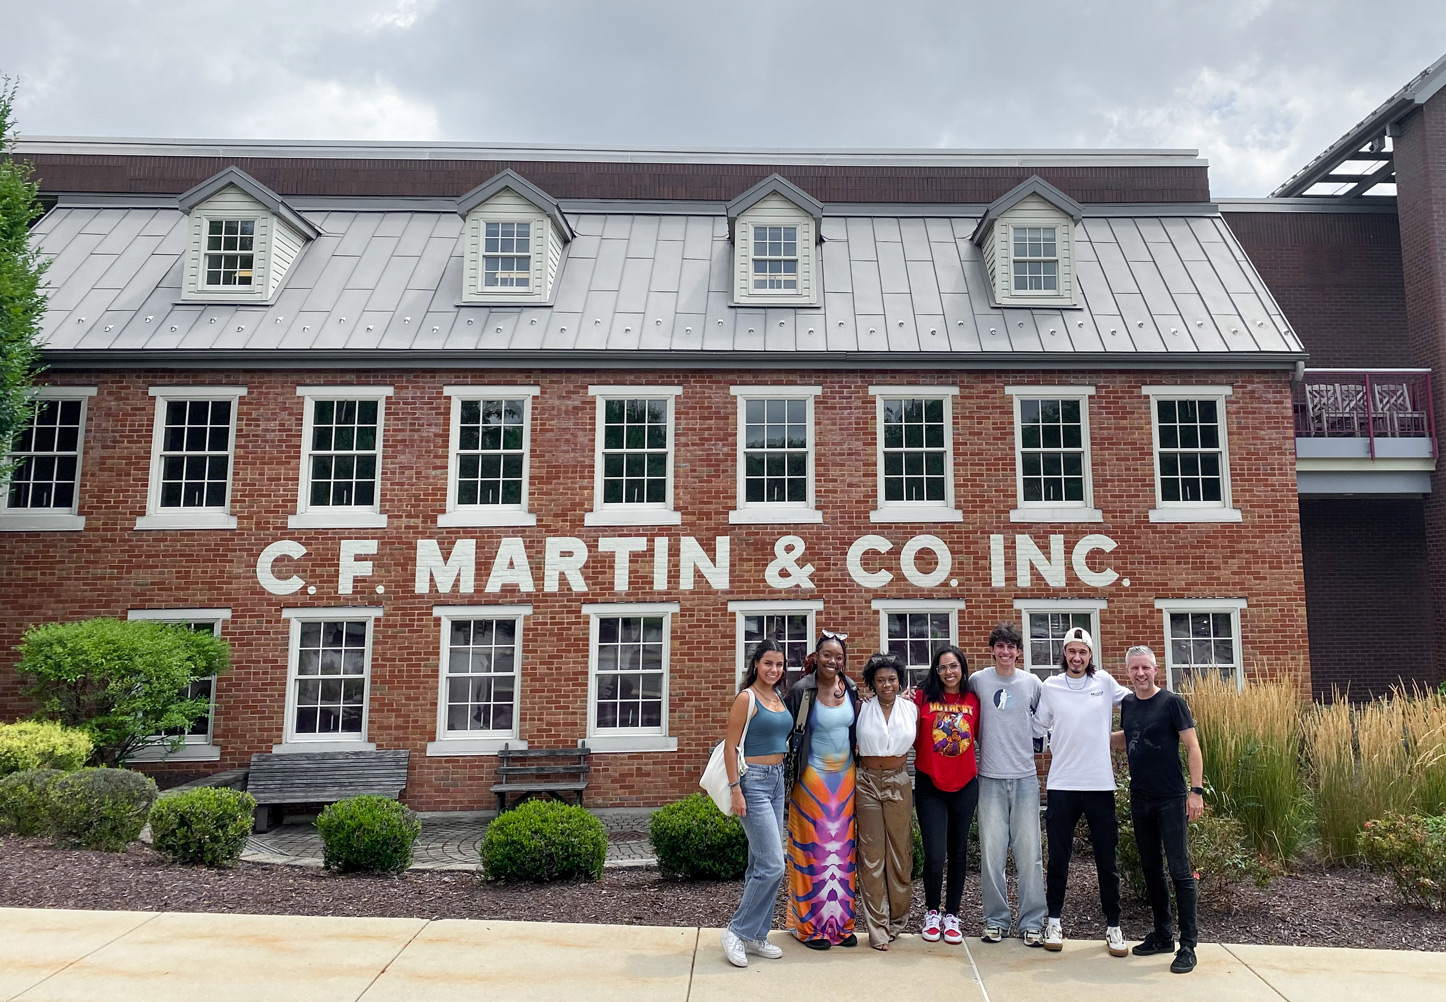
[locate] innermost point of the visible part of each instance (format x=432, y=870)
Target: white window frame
x=1054, y=511
x=338, y=516
x=291, y=742
x=776, y=210
x=258, y=258
x=541, y=244
x=1232, y=606
x=220, y=517
x=196, y=289
x=1223, y=510
x=1057, y=291
x=914, y=511
x=775, y=512
x=458, y=515
x=620, y=739
x=194, y=747
x=476, y=742
x=741, y=609
x=51, y=519
x=928, y=606
x=1044, y=606
x=641, y=513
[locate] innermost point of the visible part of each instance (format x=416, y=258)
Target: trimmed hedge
x=367, y=834
x=694, y=840
x=42, y=744
x=25, y=801
x=100, y=808
x=203, y=827
x=542, y=840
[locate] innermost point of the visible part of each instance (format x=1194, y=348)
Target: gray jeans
x=1009, y=822
x=762, y=787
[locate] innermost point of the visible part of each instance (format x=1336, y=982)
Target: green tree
x=21, y=300
x=123, y=682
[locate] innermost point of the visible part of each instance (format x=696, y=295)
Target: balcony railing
x=1387, y=411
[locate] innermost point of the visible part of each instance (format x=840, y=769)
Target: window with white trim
x=481, y=661
x=775, y=454
x=229, y=260
x=506, y=255
x=1192, y=458
x=330, y=670
x=775, y=259
x=915, y=630
x=790, y=622
x=44, y=490
x=1052, y=454
x=192, y=450
x=915, y=454
x=1036, y=259
x=341, y=457
x=1201, y=636
x=630, y=649
x=489, y=456
x=1046, y=621
x=633, y=470
x=775, y=254
x=197, y=741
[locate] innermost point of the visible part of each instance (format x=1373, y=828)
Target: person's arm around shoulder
x=738, y=715
x=1117, y=692
x=1044, y=710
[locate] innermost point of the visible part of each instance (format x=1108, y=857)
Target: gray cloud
x=1258, y=86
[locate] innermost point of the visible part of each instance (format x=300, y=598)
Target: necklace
x=1083, y=681
x=769, y=700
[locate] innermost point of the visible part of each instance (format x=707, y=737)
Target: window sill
x=41, y=523
x=472, y=746
x=922, y=513
x=206, y=520
x=301, y=747
x=185, y=753
x=337, y=520
x=1168, y=514
x=1059, y=515
x=780, y=515
x=479, y=517
x=633, y=516
x=631, y=743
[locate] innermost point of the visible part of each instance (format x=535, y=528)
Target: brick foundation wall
x=110, y=567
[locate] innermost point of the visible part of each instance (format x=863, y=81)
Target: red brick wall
x=110, y=568
x=1337, y=276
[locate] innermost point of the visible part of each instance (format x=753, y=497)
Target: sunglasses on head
x=829, y=635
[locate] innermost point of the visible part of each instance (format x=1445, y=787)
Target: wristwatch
x=1198, y=790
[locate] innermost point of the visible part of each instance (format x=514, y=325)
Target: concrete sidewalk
x=51, y=955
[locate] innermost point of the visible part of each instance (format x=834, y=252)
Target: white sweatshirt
x=1078, y=721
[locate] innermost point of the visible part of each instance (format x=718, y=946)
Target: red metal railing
x=1365, y=403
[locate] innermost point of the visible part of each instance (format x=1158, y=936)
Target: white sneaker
x=1053, y=935
x=1033, y=937
x=762, y=948
x=931, y=927
x=1115, y=940
x=992, y=934
x=733, y=949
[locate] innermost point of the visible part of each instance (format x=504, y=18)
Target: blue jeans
x=1009, y=822
x=762, y=787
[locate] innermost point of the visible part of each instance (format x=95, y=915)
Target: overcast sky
x=1258, y=86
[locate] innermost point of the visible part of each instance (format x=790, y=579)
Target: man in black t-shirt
x=1154, y=724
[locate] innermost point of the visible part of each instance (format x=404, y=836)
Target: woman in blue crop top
x=758, y=799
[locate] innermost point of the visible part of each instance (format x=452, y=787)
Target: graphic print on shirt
x=953, y=734
x=1002, y=698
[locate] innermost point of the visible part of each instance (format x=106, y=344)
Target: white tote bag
x=715, y=774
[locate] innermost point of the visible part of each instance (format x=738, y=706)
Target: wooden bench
x=321, y=778
x=542, y=771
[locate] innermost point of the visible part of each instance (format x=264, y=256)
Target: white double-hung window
x=341, y=457
x=44, y=488
x=915, y=454
x=629, y=648
x=775, y=455
x=1202, y=636
x=193, y=445
x=1192, y=457
x=489, y=457
x=1052, y=454
x=1036, y=259
x=789, y=622
x=914, y=630
x=633, y=465
x=1046, y=621
x=328, y=679
x=481, y=665
x=198, y=741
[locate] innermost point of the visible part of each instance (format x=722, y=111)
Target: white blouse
x=886, y=738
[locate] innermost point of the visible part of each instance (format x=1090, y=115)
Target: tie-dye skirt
x=821, y=878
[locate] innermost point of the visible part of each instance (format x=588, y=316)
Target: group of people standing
x=839, y=757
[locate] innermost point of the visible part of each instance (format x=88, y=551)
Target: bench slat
x=541, y=752
x=537, y=770
x=536, y=787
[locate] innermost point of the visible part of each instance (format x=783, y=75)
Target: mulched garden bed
x=1311, y=907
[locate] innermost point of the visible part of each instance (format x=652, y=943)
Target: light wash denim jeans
x=1009, y=822
x=762, y=787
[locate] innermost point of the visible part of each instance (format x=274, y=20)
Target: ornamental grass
x=1330, y=749
x=1424, y=720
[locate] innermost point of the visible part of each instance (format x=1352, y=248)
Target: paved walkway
x=449, y=841
x=79, y=956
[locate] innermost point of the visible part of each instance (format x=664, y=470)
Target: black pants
x=944, y=820
x=1061, y=813
x=1161, y=821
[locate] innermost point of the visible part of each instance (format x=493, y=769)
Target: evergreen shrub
x=1412, y=849
x=100, y=808
x=694, y=840
x=367, y=834
x=203, y=827
x=42, y=744
x=25, y=801
x=542, y=840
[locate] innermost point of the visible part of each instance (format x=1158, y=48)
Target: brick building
x=465, y=446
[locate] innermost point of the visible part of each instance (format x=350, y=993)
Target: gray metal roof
x=914, y=287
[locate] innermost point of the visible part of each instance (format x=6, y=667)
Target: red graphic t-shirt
x=944, y=747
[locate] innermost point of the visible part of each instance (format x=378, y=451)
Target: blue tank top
x=828, y=744
x=767, y=732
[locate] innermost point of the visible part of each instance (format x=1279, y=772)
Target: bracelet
x=734, y=783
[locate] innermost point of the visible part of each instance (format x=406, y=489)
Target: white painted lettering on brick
x=692, y=556
x=622, y=548
x=1027, y=555
x=460, y=568
x=862, y=545
x=1082, y=550
x=510, y=567
x=944, y=559
x=348, y=567
x=660, y=563
x=267, y=578
x=996, y=560
x=564, y=557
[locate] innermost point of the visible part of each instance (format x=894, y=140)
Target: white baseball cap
x=1079, y=635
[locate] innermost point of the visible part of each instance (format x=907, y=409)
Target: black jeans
x=1061, y=813
x=944, y=820
x=1161, y=821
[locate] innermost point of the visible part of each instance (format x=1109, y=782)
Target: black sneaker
x=1152, y=945
x=1184, y=961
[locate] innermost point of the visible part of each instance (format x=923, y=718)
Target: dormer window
x=507, y=256
x=774, y=227
x=515, y=235
x=244, y=240
x=1027, y=240
x=1036, y=259
x=775, y=259
x=230, y=253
